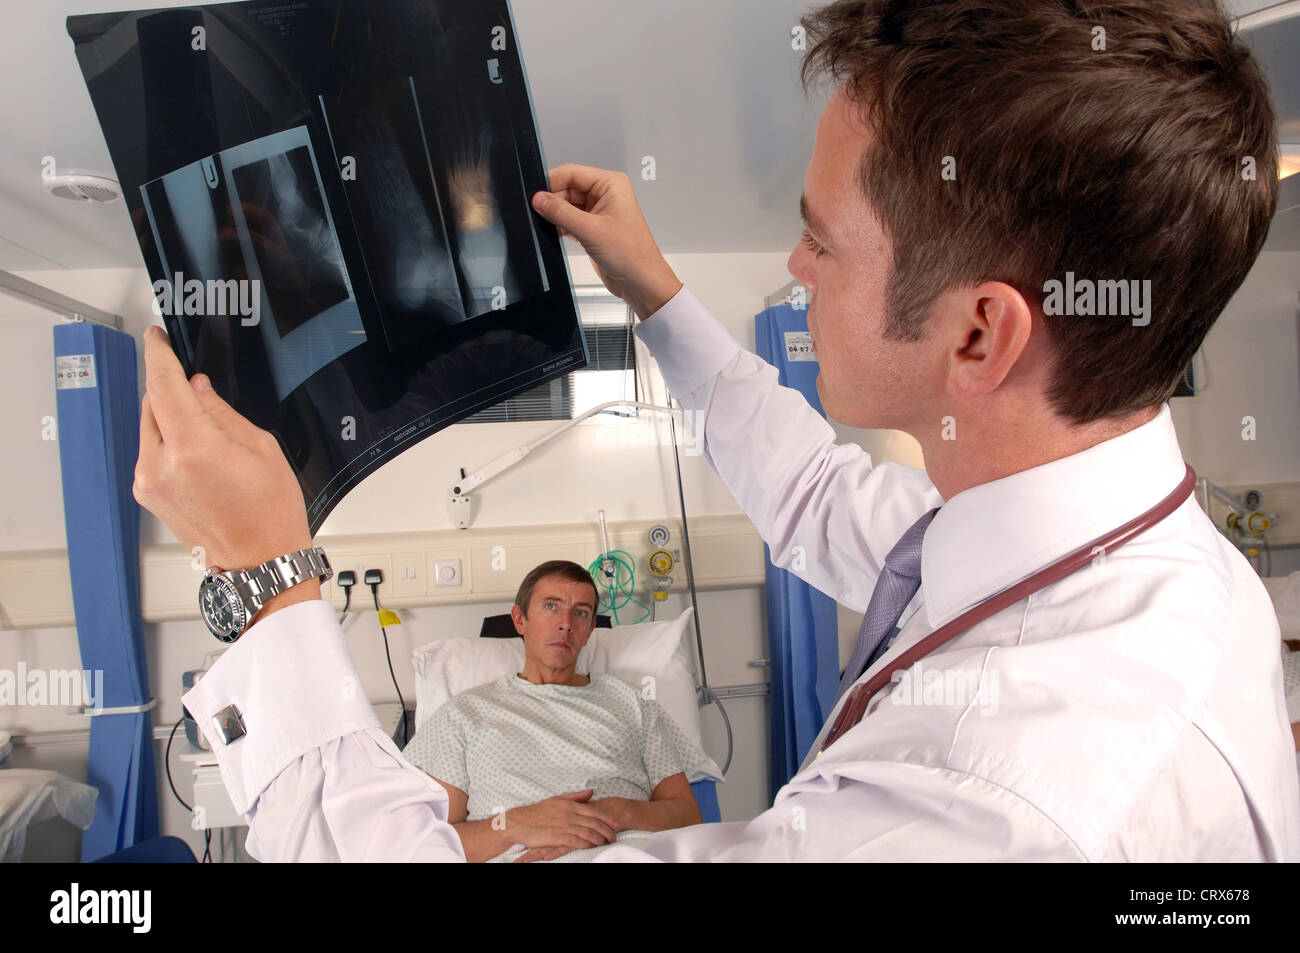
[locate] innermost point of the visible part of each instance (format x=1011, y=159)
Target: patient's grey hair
x=568, y=571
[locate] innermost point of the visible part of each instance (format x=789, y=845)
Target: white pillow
x=633, y=653
x=28, y=795
x=1285, y=593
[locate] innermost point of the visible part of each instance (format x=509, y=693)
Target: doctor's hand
x=560, y=824
x=215, y=479
x=600, y=210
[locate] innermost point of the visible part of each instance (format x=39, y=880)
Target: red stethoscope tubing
x=856, y=704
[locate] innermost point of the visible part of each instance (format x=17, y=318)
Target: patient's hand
x=565, y=821
x=621, y=809
x=615, y=807
x=672, y=805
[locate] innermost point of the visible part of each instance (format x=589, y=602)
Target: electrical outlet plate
x=447, y=573
x=409, y=574
x=359, y=561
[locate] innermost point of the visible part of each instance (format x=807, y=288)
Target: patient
x=549, y=759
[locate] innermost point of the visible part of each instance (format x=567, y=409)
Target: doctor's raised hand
x=214, y=478
x=599, y=209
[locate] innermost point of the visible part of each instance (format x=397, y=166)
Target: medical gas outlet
x=661, y=564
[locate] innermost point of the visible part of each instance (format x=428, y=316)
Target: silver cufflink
x=229, y=724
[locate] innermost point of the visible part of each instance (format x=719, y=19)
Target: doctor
x=1129, y=710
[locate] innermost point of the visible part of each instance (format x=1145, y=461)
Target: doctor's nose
x=797, y=264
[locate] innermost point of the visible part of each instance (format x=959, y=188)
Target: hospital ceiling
x=708, y=89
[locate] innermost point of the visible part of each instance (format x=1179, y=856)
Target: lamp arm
x=508, y=459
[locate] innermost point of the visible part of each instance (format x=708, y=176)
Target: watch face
x=222, y=609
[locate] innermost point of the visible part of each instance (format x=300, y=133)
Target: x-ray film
x=332, y=201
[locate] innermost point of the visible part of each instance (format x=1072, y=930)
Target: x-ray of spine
x=434, y=186
x=409, y=254
x=479, y=222
x=475, y=166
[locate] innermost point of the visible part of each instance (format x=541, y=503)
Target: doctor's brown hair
x=1129, y=162
x=568, y=571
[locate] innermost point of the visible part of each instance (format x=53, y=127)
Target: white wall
x=1254, y=363
x=1252, y=356
x=1251, y=368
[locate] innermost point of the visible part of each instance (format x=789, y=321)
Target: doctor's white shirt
x=1131, y=711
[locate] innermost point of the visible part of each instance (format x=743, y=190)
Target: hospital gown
x=511, y=743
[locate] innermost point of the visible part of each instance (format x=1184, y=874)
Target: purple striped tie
x=898, y=582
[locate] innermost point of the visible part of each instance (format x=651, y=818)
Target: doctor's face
x=843, y=260
x=561, y=616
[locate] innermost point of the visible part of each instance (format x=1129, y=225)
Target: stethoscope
x=855, y=706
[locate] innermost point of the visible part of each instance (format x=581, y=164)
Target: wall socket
x=446, y=572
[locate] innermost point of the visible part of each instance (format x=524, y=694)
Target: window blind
x=607, y=330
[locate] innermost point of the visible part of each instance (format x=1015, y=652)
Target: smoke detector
x=83, y=187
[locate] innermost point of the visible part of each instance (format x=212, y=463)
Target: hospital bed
x=451, y=665
x=705, y=790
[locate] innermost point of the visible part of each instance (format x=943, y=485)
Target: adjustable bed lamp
x=458, y=499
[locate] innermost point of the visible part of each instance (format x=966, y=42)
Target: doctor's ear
x=995, y=329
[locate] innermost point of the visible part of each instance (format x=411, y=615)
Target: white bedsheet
x=583, y=856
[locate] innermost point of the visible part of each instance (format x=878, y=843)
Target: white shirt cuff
x=295, y=686
x=690, y=344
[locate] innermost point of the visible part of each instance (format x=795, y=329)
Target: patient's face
x=560, y=619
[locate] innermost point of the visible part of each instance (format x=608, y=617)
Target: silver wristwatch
x=227, y=600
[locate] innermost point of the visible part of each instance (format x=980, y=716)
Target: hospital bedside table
x=212, y=805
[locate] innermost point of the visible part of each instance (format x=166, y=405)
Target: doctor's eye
x=812, y=245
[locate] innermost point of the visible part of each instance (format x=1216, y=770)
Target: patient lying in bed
x=546, y=761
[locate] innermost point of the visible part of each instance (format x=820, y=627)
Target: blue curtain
x=802, y=629
x=99, y=431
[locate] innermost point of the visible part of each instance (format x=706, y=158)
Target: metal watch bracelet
x=256, y=586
